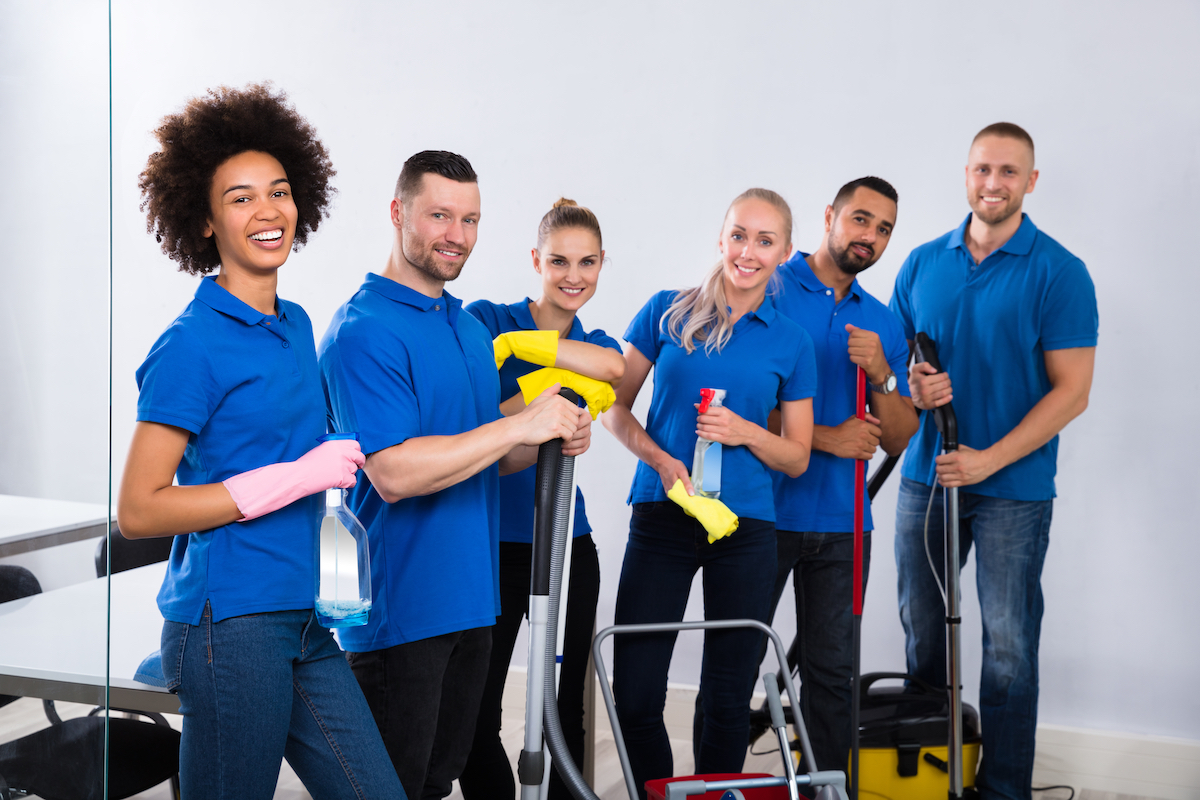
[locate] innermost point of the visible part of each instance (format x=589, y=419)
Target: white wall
x=656, y=115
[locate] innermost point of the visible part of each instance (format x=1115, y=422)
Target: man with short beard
x=1014, y=319
x=415, y=377
x=815, y=512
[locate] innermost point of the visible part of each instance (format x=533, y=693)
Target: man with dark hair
x=416, y=378
x=815, y=512
x=1013, y=315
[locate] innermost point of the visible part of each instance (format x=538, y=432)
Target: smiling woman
x=225, y=459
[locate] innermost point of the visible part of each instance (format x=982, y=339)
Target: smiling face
x=999, y=174
x=439, y=226
x=253, y=216
x=753, y=243
x=857, y=234
x=569, y=263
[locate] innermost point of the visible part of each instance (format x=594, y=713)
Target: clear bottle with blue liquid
x=343, y=591
x=706, y=463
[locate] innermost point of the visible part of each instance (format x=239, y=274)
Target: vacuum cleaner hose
x=556, y=484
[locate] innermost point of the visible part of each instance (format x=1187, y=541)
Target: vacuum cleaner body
x=904, y=731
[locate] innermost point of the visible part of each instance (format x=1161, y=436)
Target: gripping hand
x=535, y=347
x=598, y=394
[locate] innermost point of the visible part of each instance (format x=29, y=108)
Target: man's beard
x=995, y=216
x=849, y=262
x=425, y=260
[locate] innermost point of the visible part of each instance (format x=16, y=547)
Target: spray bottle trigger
x=706, y=397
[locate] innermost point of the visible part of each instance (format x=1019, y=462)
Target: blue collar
x=410, y=297
x=809, y=280
x=1019, y=244
x=218, y=298
x=523, y=318
x=765, y=312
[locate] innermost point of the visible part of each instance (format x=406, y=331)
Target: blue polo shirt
x=991, y=324
x=517, y=489
x=396, y=365
x=768, y=359
x=822, y=499
x=245, y=387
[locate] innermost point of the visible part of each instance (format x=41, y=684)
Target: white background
x=656, y=115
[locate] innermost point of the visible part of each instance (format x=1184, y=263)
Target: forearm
x=427, y=464
x=520, y=457
x=591, y=360
x=779, y=453
x=174, y=510
x=622, y=424
x=822, y=438
x=898, y=421
x=1043, y=422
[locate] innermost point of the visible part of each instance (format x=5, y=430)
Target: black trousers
x=488, y=773
x=424, y=696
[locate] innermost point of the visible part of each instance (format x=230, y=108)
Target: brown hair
x=1007, y=130
x=439, y=162
x=177, y=180
x=567, y=213
x=700, y=314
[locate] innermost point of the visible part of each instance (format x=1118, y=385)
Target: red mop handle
x=860, y=481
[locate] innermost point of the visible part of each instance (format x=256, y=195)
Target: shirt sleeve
x=599, y=337
x=1070, y=317
x=176, y=384
x=369, y=390
x=901, y=304
x=644, y=332
x=895, y=349
x=802, y=383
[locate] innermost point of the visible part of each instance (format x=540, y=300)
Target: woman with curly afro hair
x=230, y=403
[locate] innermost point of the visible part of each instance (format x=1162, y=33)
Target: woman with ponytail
x=568, y=257
x=723, y=334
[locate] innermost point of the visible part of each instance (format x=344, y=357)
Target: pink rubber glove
x=329, y=465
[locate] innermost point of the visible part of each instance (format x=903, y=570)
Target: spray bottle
x=706, y=464
x=343, y=590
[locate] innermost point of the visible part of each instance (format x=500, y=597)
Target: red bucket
x=657, y=788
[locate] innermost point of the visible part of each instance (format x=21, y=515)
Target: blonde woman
x=724, y=334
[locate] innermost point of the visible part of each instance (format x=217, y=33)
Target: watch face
x=890, y=384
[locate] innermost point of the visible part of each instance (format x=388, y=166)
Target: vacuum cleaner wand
x=947, y=424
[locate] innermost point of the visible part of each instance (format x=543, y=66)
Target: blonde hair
x=567, y=213
x=701, y=314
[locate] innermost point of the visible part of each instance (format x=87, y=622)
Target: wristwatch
x=887, y=387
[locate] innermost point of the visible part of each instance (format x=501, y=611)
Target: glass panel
x=54, y=397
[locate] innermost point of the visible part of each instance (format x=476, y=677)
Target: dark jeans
x=488, y=773
x=424, y=696
x=1010, y=539
x=822, y=566
x=665, y=549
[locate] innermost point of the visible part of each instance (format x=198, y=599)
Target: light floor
x=26, y=716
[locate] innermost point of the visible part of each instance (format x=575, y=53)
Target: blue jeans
x=1010, y=539
x=665, y=549
x=254, y=690
x=823, y=566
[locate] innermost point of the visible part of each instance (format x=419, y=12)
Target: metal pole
x=953, y=644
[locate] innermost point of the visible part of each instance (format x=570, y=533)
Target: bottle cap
x=333, y=498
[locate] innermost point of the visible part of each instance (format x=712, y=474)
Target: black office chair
x=130, y=553
x=15, y=583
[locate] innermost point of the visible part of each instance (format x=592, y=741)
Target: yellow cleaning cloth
x=598, y=394
x=714, y=515
x=536, y=347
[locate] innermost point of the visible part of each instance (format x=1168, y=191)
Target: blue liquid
x=342, y=614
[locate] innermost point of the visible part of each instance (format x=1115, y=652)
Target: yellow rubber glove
x=714, y=515
x=536, y=347
x=598, y=395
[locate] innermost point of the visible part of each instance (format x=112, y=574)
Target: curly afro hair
x=178, y=178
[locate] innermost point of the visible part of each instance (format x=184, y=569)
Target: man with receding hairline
x=1014, y=319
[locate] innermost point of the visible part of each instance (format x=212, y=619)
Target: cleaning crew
x=549, y=343
x=230, y=404
x=1013, y=315
x=724, y=334
x=415, y=376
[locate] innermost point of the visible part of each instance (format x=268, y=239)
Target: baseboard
x=1109, y=761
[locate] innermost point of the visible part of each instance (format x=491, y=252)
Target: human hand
x=719, y=424
x=547, y=417
x=582, y=440
x=330, y=465
x=671, y=470
x=533, y=347
x=854, y=438
x=929, y=388
x=866, y=351
x=964, y=467
x=598, y=395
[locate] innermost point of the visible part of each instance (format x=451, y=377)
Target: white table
x=54, y=643
x=31, y=523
